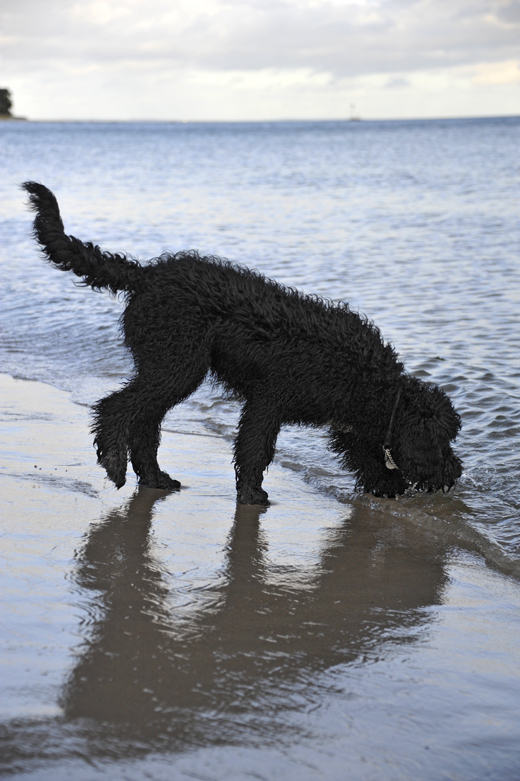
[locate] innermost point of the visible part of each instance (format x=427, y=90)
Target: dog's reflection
x=260, y=646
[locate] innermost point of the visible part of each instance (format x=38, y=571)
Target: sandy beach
x=155, y=635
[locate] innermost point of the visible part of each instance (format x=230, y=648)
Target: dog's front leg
x=254, y=449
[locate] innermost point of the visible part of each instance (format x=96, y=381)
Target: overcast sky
x=260, y=59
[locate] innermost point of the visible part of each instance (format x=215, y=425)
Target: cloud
x=397, y=83
x=509, y=13
x=497, y=73
x=341, y=38
x=237, y=45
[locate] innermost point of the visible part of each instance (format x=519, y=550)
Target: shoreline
x=408, y=509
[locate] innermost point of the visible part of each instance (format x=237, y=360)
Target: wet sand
x=176, y=636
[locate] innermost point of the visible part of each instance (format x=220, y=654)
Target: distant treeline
x=5, y=102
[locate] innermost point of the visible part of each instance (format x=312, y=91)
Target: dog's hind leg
x=145, y=437
x=254, y=448
x=110, y=429
x=158, y=393
x=128, y=422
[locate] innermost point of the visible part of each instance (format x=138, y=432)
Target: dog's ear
x=428, y=424
x=443, y=421
x=430, y=413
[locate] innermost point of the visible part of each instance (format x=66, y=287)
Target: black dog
x=288, y=357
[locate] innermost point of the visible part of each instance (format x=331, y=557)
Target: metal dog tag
x=389, y=461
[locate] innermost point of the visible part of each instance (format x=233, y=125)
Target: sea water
x=414, y=223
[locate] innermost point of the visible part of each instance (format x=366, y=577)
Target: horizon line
x=349, y=120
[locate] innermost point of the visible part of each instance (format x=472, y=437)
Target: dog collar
x=389, y=461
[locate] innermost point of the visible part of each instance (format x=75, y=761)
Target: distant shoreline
x=343, y=120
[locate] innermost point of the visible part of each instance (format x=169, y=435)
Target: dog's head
x=425, y=425
x=410, y=449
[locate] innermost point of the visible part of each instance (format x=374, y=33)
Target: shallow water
x=414, y=223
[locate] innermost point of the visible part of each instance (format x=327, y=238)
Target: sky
x=233, y=60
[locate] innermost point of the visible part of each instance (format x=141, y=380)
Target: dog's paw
x=160, y=480
x=248, y=495
x=114, y=462
x=168, y=482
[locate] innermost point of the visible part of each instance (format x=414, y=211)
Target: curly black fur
x=289, y=357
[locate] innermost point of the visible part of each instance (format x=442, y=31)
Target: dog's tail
x=97, y=269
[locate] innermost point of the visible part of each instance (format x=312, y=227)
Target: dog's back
x=254, y=329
